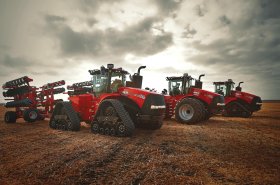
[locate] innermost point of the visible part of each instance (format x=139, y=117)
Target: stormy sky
x=54, y=40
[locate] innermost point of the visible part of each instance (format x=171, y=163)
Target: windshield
x=100, y=82
x=175, y=87
x=190, y=82
x=224, y=89
x=220, y=89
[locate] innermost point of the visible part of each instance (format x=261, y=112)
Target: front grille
x=254, y=104
x=153, y=99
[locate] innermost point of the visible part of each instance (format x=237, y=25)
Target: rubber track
x=242, y=107
x=123, y=114
x=72, y=115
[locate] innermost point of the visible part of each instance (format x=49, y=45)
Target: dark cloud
x=137, y=39
x=238, y=40
x=54, y=18
x=167, y=7
x=78, y=43
x=91, y=21
x=256, y=58
x=270, y=9
x=200, y=10
x=224, y=20
x=189, y=32
x=15, y=62
x=90, y=6
x=249, y=51
x=11, y=65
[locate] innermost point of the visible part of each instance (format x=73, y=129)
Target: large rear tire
x=205, y=113
x=189, y=111
x=10, y=117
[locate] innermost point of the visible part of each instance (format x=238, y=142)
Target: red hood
x=204, y=92
x=138, y=95
x=243, y=95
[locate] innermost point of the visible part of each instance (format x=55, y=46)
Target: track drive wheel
x=31, y=115
x=246, y=114
x=64, y=117
x=10, y=117
x=112, y=119
x=237, y=109
x=189, y=111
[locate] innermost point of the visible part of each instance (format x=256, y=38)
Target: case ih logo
x=249, y=97
x=209, y=96
x=126, y=93
x=196, y=93
x=139, y=96
x=238, y=94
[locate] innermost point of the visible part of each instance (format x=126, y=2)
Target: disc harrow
x=30, y=102
x=17, y=82
x=80, y=88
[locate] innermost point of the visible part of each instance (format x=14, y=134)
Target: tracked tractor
x=238, y=103
x=29, y=102
x=113, y=103
x=190, y=104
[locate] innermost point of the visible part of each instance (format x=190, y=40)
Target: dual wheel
x=29, y=115
x=190, y=110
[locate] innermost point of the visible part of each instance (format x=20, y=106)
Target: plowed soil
x=219, y=151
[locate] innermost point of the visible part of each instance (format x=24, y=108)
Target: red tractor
x=29, y=103
x=190, y=103
x=238, y=103
x=111, y=104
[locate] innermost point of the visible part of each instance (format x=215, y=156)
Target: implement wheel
x=30, y=115
x=10, y=117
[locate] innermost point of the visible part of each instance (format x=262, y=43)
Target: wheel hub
x=186, y=112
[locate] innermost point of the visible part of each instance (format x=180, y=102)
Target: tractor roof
x=106, y=70
x=175, y=78
x=225, y=82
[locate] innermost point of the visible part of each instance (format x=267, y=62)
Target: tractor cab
x=110, y=79
x=179, y=85
x=224, y=88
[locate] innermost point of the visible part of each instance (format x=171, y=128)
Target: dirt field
x=219, y=151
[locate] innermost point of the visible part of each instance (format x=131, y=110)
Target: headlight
x=221, y=104
x=158, y=107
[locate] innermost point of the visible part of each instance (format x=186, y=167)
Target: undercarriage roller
x=112, y=119
x=64, y=117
